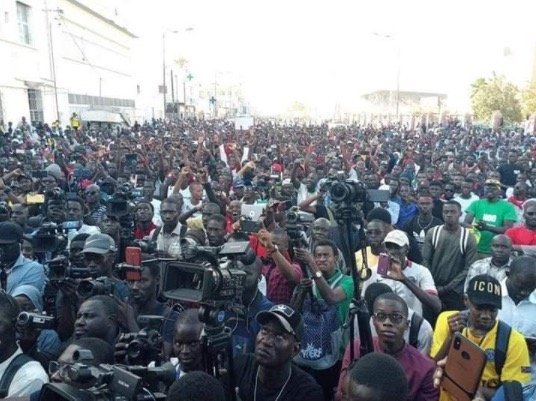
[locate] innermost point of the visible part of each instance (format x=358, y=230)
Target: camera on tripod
x=350, y=191
x=48, y=237
x=296, y=226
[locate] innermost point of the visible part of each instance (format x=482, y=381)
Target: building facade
x=65, y=56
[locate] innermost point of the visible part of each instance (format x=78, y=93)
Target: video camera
x=216, y=280
x=296, y=222
x=99, y=286
x=147, y=343
x=350, y=191
x=108, y=382
x=49, y=237
x=60, y=268
x=35, y=321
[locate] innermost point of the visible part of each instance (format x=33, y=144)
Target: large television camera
x=59, y=269
x=211, y=276
x=109, y=382
x=350, y=191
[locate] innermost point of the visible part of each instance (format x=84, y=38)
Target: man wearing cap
x=16, y=269
x=100, y=254
x=493, y=215
x=269, y=373
x=413, y=282
x=480, y=325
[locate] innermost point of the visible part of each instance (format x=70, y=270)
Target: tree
x=495, y=93
x=528, y=99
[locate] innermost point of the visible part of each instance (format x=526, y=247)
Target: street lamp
x=391, y=37
x=189, y=29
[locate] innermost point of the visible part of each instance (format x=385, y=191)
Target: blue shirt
x=245, y=328
x=26, y=272
x=407, y=212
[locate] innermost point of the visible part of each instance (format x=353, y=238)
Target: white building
x=64, y=56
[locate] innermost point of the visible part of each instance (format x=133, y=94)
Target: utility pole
x=51, y=57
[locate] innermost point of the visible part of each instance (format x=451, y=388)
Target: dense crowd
x=106, y=232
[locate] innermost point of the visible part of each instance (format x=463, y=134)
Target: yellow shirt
x=516, y=365
x=372, y=260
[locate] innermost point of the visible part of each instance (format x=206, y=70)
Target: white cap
x=397, y=237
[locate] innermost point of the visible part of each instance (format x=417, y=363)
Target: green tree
x=528, y=99
x=495, y=93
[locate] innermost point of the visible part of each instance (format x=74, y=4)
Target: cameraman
x=143, y=301
x=19, y=373
x=42, y=345
x=16, y=269
x=320, y=231
x=281, y=273
x=100, y=254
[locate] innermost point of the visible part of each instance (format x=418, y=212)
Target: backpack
x=9, y=374
x=414, y=328
x=322, y=333
x=464, y=238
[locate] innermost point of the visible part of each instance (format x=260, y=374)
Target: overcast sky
x=323, y=53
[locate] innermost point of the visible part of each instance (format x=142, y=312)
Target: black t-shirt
x=300, y=387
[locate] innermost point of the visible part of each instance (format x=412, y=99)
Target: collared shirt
x=28, y=379
x=484, y=266
x=169, y=242
x=279, y=289
x=25, y=272
x=522, y=316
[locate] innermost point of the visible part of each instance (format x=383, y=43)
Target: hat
x=397, y=237
x=10, y=233
x=238, y=183
x=492, y=181
x=290, y=319
x=379, y=213
x=30, y=292
x=99, y=243
x=286, y=181
x=485, y=290
x=54, y=170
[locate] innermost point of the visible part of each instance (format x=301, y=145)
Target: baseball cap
x=100, y=244
x=10, y=233
x=290, y=320
x=397, y=237
x=485, y=290
x=492, y=181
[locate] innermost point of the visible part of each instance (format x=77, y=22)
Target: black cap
x=10, y=233
x=290, y=320
x=485, y=290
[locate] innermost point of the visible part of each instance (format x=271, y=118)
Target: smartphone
x=133, y=256
x=35, y=199
x=250, y=226
x=463, y=371
x=383, y=264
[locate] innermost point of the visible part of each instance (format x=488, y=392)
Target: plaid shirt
x=278, y=289
x=96, y=216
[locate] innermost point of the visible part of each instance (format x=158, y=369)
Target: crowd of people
x=447, y=250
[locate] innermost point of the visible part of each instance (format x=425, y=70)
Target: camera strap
x=15, y=364
x=3, y=279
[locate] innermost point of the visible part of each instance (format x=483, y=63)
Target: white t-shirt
x=465, y=203
x=419, y=274
x=27, y=380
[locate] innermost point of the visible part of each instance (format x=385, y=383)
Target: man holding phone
x=480, y=325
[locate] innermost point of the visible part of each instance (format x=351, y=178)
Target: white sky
x=324, y=52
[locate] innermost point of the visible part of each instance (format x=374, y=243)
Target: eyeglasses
x=61, y=368
x=395, y=318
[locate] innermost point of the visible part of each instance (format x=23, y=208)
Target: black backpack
x=414, y=328
x=7, y=377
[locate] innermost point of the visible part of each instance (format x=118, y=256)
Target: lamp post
x=393, y=38
x=189, y=29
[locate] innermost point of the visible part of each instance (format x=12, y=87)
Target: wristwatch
x=317, y=274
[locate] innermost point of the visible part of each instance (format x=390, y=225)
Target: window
x=35, y=101
x=23, y=20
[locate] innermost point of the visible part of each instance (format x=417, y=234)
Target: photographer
x=281, y=273
x=19, y=374
x=100, y=254
x=16, y=269
x=143, y=301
